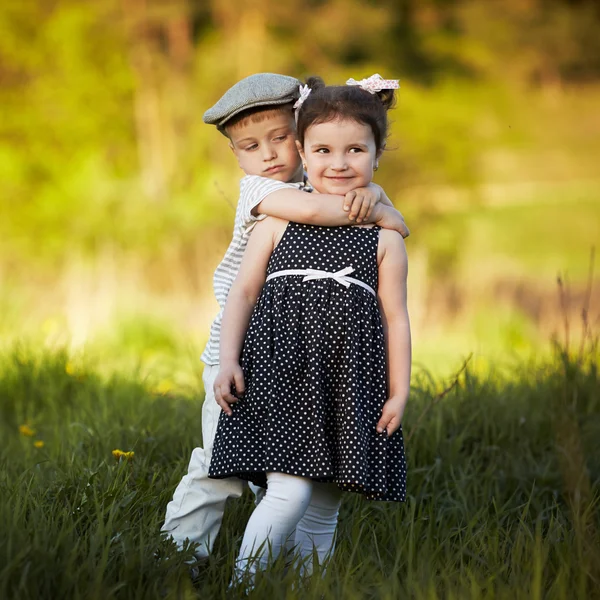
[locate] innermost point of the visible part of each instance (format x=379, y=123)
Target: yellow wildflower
x=70, y=368
x=119, y=454
x=39, y=443
x=50, y=327
x=164, y=387
x=26, y=430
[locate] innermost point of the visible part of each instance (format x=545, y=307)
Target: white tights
x=291, y=504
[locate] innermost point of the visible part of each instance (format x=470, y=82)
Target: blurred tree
x=98, y=95
x=66, y=94
x=160, y=51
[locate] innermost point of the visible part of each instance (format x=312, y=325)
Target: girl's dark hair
x=330, y=102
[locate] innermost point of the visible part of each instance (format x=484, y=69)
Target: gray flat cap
x=261, y=89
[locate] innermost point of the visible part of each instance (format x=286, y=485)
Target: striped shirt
x=253, y=190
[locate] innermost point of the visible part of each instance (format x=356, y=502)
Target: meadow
x=118, y=203
x=503, y=489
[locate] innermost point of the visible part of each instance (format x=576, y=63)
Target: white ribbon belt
x=341, y=277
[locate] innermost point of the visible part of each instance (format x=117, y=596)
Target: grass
x=504, y=484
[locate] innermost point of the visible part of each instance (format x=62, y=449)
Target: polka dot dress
x=314, y=366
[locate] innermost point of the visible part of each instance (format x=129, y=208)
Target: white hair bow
x=375, y=83
x=304, y=94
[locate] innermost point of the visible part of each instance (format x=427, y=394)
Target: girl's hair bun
x=388, y=98
x=315, y=83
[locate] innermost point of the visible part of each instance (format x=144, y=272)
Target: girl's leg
x=272, y=523
x=316, y=529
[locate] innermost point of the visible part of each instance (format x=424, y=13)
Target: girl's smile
x=340, y=156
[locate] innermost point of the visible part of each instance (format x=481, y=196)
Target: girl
x=325, y=368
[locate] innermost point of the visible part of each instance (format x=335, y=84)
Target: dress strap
x=340, y=276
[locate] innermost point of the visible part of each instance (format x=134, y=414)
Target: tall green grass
x=504, y=484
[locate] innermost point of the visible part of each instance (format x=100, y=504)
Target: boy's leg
x=196, y=511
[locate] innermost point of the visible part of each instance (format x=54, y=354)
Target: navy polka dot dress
x=314, y=366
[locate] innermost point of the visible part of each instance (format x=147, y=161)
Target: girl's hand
x=230, y=374
x=391, y=415
x=361, y=202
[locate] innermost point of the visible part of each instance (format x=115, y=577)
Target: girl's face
x=339, y=156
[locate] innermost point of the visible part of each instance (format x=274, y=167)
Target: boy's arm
x=240, y=302
x=391, y=291
x=383, y=198
x=302, y=207
x=324, y=209
x=389, y=220
x=362, y=201
x=387, y=217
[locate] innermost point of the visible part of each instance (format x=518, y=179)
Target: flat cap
x=261, y=89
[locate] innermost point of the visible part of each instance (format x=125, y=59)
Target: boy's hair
x=255, y=115
x=327, y=103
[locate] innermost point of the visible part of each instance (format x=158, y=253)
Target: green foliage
x=102, y=103
x=493, y=509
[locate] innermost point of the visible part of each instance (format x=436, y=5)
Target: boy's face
x=268, y=148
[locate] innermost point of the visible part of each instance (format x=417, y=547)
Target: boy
x=256, y=115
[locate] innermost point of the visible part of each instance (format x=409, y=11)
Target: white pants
x=196, y=511
x=296, y=514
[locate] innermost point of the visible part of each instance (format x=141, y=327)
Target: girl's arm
x=238, y=308
x=393, y=270
x=366, y=205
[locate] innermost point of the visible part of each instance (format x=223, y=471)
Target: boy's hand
x=360, y=202
x=389, y=218
x=391, y=415
x=230, y=374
